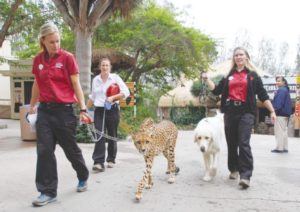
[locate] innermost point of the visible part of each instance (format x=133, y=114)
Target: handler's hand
x=204, y=76
x=273, y=117
x=32, y=110
x=85, y=118
x=110, y=99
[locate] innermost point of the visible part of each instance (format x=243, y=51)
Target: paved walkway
x=275, y=185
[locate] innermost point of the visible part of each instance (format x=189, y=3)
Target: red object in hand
x=112, y=90
x=85, y=118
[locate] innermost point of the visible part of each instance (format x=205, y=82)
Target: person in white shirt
x=106, y=115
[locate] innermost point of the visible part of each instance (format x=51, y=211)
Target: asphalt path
x=275, y=185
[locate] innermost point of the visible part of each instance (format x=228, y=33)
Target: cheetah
x=151, y=140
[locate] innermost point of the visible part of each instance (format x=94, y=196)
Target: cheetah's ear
x=147, y=123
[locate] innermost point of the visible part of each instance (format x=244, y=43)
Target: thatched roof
x=118, y=60
x=179, y=96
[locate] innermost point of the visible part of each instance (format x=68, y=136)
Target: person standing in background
x=56, y=87
x=106, y=118
x=282, y=104
x=238, y=92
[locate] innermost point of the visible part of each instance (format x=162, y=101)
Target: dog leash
x=96, y=134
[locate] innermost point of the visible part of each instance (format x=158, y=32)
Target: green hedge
x=187, y=115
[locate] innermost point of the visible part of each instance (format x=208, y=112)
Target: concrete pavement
x=275, y=185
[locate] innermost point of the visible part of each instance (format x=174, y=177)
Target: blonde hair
x=248, y=64
x=46, y=29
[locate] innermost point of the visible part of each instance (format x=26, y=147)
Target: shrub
x=187, y=115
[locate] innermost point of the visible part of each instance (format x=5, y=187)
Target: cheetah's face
x=142, y=142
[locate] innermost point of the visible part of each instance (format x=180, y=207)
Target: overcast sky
x=277, y=20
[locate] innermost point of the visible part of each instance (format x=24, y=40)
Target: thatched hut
x=178, y=97
x=119, y=60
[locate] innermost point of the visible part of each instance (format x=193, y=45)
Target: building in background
x=5, y=101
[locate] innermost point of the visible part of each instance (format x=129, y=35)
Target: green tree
x=8, y=12
x=162, y=47
x=21, y=25
x=83, y=17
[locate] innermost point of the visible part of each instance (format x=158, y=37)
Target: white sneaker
x=98, y=167
x=110, y=165
x=233, y=175
x=244, y=183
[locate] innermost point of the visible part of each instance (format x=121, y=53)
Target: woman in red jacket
x=56, y=88
x=238, y=92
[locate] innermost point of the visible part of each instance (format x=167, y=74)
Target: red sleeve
x=72, y=65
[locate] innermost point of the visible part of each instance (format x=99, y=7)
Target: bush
x=187, y=115
x=129, y=123
x=82, y=135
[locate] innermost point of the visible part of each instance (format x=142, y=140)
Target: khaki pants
x=281, y=132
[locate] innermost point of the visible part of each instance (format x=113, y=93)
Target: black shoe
x=277, y=151
x=285, y=151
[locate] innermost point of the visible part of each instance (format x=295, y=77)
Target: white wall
x=5, y=51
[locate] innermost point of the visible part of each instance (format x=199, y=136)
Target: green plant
x=187, y=115
x=82, y=135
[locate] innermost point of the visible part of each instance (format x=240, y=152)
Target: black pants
x=111, y=122
x=56, y=125
x=238, y=127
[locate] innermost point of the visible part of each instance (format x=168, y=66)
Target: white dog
x=208, y=135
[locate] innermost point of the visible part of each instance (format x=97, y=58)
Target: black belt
x=54, y=105
x=235, y=103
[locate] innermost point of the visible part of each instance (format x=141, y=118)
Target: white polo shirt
x=99, y=89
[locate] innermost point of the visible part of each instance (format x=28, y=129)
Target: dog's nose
x=202, y=149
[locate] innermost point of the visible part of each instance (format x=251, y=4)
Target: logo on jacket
x=41, y=66
x=58, y=65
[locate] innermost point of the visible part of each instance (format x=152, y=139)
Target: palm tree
x=84, y=16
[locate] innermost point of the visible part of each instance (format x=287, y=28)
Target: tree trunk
x=8, y=21
x=84, y=58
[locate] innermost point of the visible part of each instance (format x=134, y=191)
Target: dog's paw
x=138, y=196
x=207, y=178
x=171, y=179
x=213, y=172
